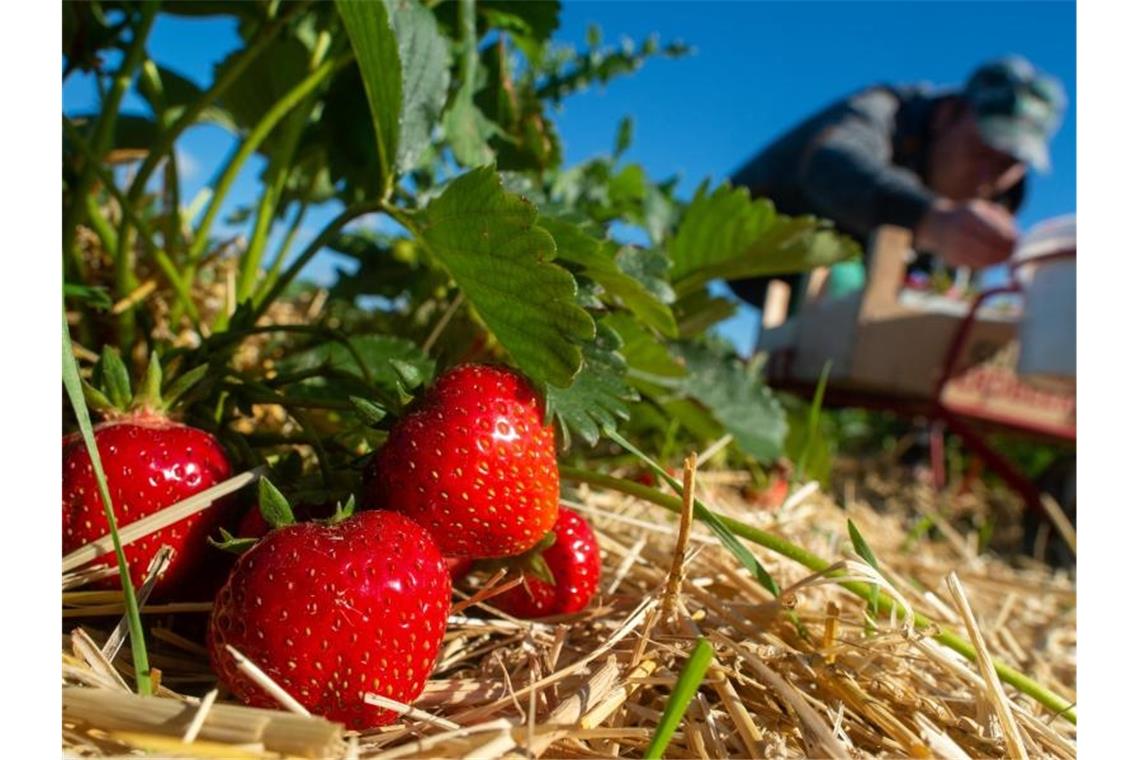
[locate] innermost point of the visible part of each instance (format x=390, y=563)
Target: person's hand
x=972, y=234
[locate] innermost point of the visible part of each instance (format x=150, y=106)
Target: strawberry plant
x=487, y=289
x=431, y=127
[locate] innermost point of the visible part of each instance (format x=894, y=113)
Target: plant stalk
x=166, y=140
x=312, y=249
x=256, y=136
x=105, y=130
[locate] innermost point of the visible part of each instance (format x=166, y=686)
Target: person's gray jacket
x=859, y=162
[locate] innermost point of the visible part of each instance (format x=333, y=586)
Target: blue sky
x=758, y=69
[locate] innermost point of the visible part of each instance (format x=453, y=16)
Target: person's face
x=961, y=166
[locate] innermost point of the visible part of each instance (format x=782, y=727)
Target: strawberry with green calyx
x=151, y=462
x=563, y=575
x=332, y=613
x=473, y=462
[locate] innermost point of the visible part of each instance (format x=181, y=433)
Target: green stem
x=75, y=393
x=280, y=164
x=133, y=222
x=173, y=230
x=105, y=131
x=260, y=393
x=256, y=136
x=312, y=249
x=108, y=238
x=219, y=341
x=228, y=76
x=1014, y=678
x=286, y=244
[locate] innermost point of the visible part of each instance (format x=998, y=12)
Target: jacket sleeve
x=847, y=174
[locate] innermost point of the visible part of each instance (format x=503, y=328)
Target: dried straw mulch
x=595, y=685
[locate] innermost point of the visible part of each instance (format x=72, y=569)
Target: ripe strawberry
x=150, y=464
x=473, y=463
x=332, y=612
x=575, y=566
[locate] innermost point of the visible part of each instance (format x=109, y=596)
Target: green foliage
x=463, y=236
x=369, y=26
x=425, y=76
x=599, y=261
x=599, y=396
x=726, y=235
x=489, y=240
x=735, y=393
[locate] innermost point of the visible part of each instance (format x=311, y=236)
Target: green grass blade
x=74, y=387
x=692, y=674
x=813, y=419
x=707, y=516
x=864, y=551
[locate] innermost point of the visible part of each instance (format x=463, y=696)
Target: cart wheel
x=1039, y=538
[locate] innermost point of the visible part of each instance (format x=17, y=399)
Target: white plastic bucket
x=1046, y=267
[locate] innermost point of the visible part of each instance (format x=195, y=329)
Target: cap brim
x=1011, y=138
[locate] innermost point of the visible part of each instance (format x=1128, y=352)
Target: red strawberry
x=473, y=463
x=332, y=612
x=150, y=464
x=575, y=566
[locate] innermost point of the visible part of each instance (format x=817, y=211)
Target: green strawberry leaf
x=465, y=126
x=600, y=261
x=273, y=505
x=650, y=267
x=424, y=70
x=369, y=27
x=261, y=84
x=597, y=399
x=369, y=412
x=531, y=23
x=727, y=235
x=698, y=311
x=467, y=131
x=643, y=353
x=624, y=137
x=390, y=361
x=412, y=375
x=736, y=395
x=489, y=243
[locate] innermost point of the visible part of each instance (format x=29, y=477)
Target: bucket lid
x=1056, y=235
